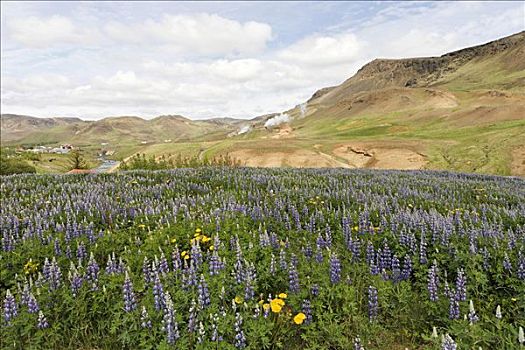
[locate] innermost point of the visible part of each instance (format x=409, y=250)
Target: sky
x=217, y=59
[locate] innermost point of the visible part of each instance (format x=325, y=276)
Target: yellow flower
x=173, y=240
x=237, y=300
x=183, y=253
x=356, y=228
x=513, y=299
x=186, y=257
x=30, y=267
x=142, y=226
x=276, y=305
x=299, y=318
x=261, y=302
x=205, y=239
x=266, y=306
x=198, y=230
x=212, y=247
x=283, y=295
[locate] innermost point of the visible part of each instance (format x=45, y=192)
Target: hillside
x=462, y=111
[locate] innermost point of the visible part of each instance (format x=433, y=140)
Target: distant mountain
x=15, y=127
x=463, y=111
x=122, y=129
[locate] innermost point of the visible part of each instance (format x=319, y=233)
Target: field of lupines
x=219, y=258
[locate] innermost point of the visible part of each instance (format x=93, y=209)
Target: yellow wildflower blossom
x=237, y=299
x=299, y=318
x=276, y=305
x=283, y=296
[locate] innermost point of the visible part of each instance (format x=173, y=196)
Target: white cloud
x=320, y=50
x=195, y=34
x=198, y=33
x=42, y=32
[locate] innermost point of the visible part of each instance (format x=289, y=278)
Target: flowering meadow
x=239, y=258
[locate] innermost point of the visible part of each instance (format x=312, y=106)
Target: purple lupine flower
x=190, y=276
x=129, y=296
x=81, y=251
x=249, y=279
x=446, y=290
x=370, y=253
x=385, y=261
x=58, y=251
x=32, y=304
x=158, y=292
x=145, y=321
x=282, y=260
x=111, y=266
x=75, y=279
x=92, y=271
x=453, y=311
x=356, y=250
x=373, y=305
x=192, y=320
x=486, y=258
x=328, y=237
x=396, y=270
x=374, y=269
x=319, y=254
x=42, y=321
x=433, y=282
x=10, y=307
x=521, y=266
x=215, y=337
x=272, y=264
x=55, y=275
x=203, y=293
x=46, y=269
x=307, y=310
x=69, y=254
x=315, y=290
x=472, y=316
x=169, y=324
x=447, y=343
x=407, y=268
x=423, y=250
x=507, y=265
x=461, y=285
x=215, y=264
x=175, y=259
x=240, y=339
x=8, y=241
x=26, y=294
x=146, y=271
x=335, y=269
x=163, y=264
x=293, y=275
x=238, y=269
x=308, y=252
x=120, y=266
x=196, y=255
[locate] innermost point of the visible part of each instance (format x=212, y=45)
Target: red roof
x=80, y=171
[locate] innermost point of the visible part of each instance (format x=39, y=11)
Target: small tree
x=77, y=160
